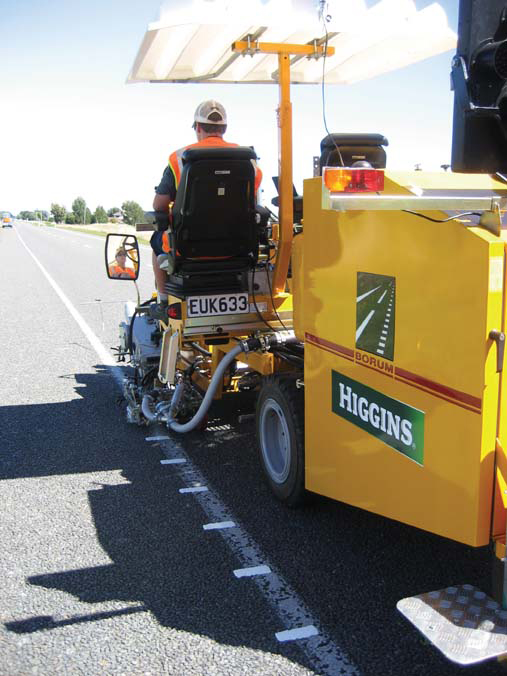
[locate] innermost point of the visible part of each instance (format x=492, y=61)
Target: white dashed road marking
x=253, y=570
x=325, y=656
x=194, y=489
x=293, y=634
x=172, y=461
x=218, y=525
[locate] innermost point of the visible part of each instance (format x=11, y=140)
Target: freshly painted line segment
x=364, y=325
x=326, y=657
x=194, y=489
x=381, y=297
x=368, y=293
x=172, y=461
x=218, y=525
x=156, y=438
x=253, y=570
x=295, y=634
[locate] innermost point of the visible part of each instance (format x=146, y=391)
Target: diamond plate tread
x=465, y=624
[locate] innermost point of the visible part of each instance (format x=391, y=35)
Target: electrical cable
x=290, y=358
x=148, y=374
x=444, y=220
x=272, y=300
x=324, y=19
x=255, y=304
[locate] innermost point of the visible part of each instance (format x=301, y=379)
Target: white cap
x=206, y=109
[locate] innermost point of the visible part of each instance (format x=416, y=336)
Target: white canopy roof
x=192, y=43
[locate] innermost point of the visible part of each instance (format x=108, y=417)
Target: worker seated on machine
x=210, y=124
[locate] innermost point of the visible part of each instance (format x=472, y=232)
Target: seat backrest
x=353, y=148
x=214, y=209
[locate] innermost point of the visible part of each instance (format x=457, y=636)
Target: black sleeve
x=167, y=185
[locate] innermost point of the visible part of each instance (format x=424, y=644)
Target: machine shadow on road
x=348, y=566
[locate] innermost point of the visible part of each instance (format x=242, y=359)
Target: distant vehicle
x=6, y=220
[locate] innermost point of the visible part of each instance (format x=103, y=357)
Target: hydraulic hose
x=146, y=405
x=208, y=398
x=248, y=345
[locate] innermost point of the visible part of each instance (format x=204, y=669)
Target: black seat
x=353, y=148
x=214, y=237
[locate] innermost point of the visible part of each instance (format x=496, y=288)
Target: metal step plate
x=462, y=622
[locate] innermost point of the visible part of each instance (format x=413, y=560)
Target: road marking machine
x=370, y=317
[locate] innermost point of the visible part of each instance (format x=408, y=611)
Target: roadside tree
x=79, y=210
x=58, y=212
x=132, y=212
x=100, y=215
x=26, y=215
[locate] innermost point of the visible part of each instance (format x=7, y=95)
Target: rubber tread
x=283, y=389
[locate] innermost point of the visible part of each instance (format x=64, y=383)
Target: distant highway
x=126, y=553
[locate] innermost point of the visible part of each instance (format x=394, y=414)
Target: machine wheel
x=280, y=437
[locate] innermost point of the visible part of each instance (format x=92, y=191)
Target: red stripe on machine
x=449, y=392
x=462, y=399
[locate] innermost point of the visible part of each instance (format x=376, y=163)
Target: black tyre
x=280, y=437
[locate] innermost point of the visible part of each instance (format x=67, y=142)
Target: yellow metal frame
x=286, y=210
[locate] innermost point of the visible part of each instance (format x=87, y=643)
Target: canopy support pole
x=286, y=207
x=284, y=111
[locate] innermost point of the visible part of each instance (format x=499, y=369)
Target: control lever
x=499, y=338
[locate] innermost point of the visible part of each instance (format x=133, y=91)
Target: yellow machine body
x=420, y=445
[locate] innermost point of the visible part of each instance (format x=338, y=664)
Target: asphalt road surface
x=124, y=553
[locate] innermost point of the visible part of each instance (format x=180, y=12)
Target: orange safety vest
x=176, y=166
x=117, y=271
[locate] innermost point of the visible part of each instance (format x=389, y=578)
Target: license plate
x=223, y=304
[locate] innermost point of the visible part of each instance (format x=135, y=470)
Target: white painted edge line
x=194, y=489
x=381, y=297
x=381, y=343
x=384, y=332
x=218, y=525
x=156, y=438
x=364, y=324
x=380, y=351
x=172, y=461
x=367, y=293
x=251, y=571
x=100, y=350
x=298, y=633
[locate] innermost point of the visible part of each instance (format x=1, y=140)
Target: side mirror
x=122, y=257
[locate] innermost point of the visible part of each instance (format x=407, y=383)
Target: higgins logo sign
x=396, y=424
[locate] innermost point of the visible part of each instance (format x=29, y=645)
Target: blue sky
x=71, y=126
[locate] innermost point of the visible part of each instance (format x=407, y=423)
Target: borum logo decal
x=396, y=424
